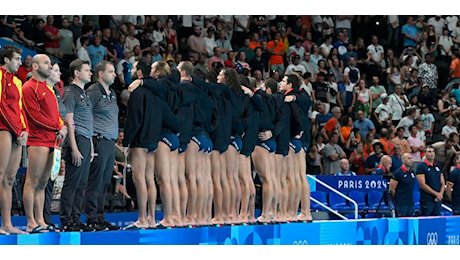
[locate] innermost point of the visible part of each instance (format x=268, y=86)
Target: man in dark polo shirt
x=105, y=117
x=78, y=147
x=453, y=186
x=402, y=187
x=431, y=182
x=384, y=166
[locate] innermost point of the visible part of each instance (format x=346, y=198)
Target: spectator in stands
x=67, y=43
x=7, y=26
x=224, y=44
x=346, y=94
x=394, y=74
x=215, y=58
x=82, y=53
x=364, y=124
x=410, y=34
x=321, y=90
x=402, y=187
x=345, y=169
x=375, y=54
x=296, y=48
x=449, y=128
x=258, y=62
x=336, y=68
x=384, y=166
x=333, y=125
x=383, y=113
x=52, y=37
x=399, y=139
x=131, y=40
x=241, y=62
x=25, y=68
x=241, y=29
x=332, y=154
x=454, y=72
x=96, y=52
x=295, y=66
x=109, y=43
x=247, y=49
x=398, y=102
x=314, y=165
x=443, y=151
x=431, y=183
x=428, y=74
x=407, y=121
x=230, y=62
x=277, y=50
x=374, y=159
x=309, y=66
x=38, y=36
x=14, y=135
x=357, y=159
x=326, y=47
x=196, y=43
x=364, y=97
x=396, y=157
x=417, y=146
x=453, y=184
x=353, y=71
x=26, y=32
x=426, y=99
x=340, y=44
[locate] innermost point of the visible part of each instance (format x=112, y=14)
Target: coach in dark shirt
x=402, y=187
x=431, y=182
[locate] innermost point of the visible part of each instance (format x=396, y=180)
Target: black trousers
x=100, y=175
x=75, y=181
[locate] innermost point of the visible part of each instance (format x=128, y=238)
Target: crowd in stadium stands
x=376, y=94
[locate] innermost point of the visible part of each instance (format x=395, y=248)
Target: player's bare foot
x=13, y=230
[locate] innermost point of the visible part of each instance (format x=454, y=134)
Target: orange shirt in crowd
x=276, y=59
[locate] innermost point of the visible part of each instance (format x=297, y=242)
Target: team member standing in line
x=453, y=186
x=282, y=132
x=252, y=107
x=402, y=187
x=13, y=131
x=105, y=118
x=54, y=81
x=142, y=132
x=47, y=129
x=431, y=183
x=77, y=151
x=263, y=156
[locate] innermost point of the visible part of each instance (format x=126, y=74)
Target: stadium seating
x=321, y=196
x=337, y=202
x=360, y=198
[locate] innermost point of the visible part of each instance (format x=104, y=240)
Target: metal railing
x=338, y=193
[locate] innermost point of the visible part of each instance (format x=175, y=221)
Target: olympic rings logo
x=432, y=238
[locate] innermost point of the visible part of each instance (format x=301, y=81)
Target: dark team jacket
x=252, y=107
x=144, y=118
x=164, y=89
x=282, y=129
x=267, y=116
